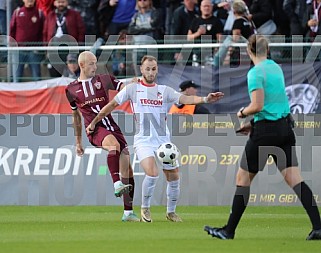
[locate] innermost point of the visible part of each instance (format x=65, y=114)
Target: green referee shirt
x=268, y=75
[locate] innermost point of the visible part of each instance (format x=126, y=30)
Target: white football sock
x=148, y=187
x=172, y=191
x=128, y=212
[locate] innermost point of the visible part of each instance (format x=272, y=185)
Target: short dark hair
x=187, y=84
x=148, y=58
x=258, y=45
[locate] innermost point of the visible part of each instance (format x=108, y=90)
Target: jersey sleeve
x=110, y=82
x=71, y=100
x=255, y=79
x=125, y=94
x=172, y=96
x=116, y=83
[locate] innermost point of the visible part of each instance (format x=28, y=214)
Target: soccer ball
x=167, y=153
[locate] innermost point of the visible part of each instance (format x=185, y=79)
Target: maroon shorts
x=97, y=137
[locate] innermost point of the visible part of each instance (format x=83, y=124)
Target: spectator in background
x=260, y=12
x=3, y=29
x=105, y=13
x=63, y=20
x=146, y=28
x=118, y=57
x=72, y=69
x=161, y=5
x=63, y=26
x=188, y=88
x=181, y=22
x=183, y=17
x=296, y=11
x=119, y=64
x=242, y=29
x=124, y=11
x=26, y=28
x=207, y=24
x=88, y=12
x=3, y=17
x=45, y=5
x=229, y=20
x=171, y=6
x=280, y=18
x=314, y=14
x=220, y=10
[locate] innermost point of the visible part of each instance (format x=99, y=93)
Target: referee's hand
x=245, y=128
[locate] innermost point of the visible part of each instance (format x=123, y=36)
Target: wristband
x=205, y=100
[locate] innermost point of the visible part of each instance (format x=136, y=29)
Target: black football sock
x=241, y=198
x=306, y=197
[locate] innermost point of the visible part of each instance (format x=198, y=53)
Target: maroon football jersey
x=90, y=96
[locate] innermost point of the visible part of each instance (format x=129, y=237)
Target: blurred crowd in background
x=67, y=22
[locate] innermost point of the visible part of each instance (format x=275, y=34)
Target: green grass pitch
x=99, y=229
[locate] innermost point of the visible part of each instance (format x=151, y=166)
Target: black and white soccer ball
x=167, y=153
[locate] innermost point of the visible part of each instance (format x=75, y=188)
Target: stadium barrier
x=283, y=50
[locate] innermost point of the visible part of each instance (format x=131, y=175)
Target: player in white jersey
x=150, y=104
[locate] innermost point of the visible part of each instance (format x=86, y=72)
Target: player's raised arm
x=195, y=100
x=78, y=128
x=107, y=109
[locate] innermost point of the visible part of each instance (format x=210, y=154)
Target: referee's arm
x=257, y=103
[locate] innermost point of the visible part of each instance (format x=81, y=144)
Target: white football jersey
x=150, y=105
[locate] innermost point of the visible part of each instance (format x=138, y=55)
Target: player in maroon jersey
x=87, y=95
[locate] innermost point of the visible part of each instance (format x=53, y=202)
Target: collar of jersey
x=85, y=80
x=147, y=85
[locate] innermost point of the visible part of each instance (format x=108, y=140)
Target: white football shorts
x=144, y=152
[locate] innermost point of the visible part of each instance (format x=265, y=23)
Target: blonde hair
x=239, y=7
x=84, y=56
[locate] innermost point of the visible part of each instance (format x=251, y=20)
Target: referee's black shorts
x=270, y=138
